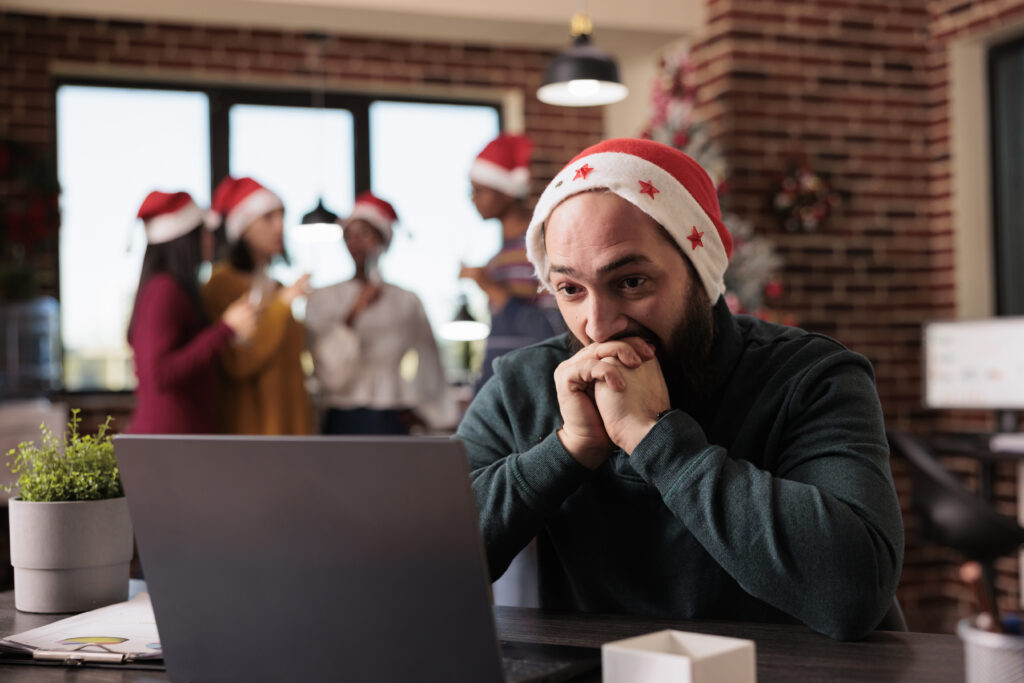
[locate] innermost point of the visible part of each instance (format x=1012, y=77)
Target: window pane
x=1006, y=67
x=302, y=155
x=420, y=156
x=114, y=146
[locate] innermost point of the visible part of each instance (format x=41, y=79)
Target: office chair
x=951, y=515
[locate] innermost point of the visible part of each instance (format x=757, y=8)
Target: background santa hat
x=375, y=211
x=661, y=181
x=169, y=215
x=504, y=165
x=239, y=202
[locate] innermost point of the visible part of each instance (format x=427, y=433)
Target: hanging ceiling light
x=582, y=75
x=320, y=215
x=464, y=327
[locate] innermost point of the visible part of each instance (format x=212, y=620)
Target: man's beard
x=685, y=356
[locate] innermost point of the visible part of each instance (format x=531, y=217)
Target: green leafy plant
x=79, y=467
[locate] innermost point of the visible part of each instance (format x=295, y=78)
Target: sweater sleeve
x=820, y=537
x=515, y=491
x=159, y=336
x=251, y=356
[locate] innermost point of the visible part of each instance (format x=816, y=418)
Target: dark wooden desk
x=784, y=653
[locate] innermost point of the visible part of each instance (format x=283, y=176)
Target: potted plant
x=71, y=534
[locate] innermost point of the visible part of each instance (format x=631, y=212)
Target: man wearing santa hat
x=673, y=459
x=520, y=315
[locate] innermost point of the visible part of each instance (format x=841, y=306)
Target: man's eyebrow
x=628, y=260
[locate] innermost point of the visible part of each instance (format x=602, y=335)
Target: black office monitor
x=974, y=364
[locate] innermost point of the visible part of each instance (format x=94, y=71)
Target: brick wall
x=857, y=88
x=30, y=45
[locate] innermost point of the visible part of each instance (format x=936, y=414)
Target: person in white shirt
x=361, y=329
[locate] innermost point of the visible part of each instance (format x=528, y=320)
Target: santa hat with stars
x=661, y=181
x=504, y=165
x=239, y=202
x=169, y=215
x=378, y=213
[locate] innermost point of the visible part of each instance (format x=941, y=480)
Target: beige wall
x=537, y=22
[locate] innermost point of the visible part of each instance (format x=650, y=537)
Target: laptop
x=320, y=558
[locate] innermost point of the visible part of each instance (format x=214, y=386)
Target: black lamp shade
x=319, y=215
x=582, y=76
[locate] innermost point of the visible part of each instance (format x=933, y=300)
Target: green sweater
x=770, y=499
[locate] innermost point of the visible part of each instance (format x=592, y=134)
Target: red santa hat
x=661, y=181
x=169, y=215
x=239, y=202
x=375, y=211
x=504, y=165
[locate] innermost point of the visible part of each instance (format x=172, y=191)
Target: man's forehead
x=601, y=229
x=596, y=214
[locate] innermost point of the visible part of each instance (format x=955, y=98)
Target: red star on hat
x=582, y=172
x=648, y=189
x=695, y=238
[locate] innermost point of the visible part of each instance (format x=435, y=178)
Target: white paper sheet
x=125, y=628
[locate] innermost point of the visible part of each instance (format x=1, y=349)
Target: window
x=426, y=178
x=117, y=143
x=114, y=145
x=303, y=155
x=1006, y=72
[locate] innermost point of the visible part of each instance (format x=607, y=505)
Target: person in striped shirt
x=521, y=314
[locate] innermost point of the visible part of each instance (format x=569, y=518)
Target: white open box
x=678, y=657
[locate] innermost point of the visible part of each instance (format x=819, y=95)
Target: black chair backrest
x=953, y=516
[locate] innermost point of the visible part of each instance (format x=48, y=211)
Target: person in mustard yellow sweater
x=262, y=381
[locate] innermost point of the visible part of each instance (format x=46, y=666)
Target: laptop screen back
x=274, y=558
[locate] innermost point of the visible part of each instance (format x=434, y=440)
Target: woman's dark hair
x=239, y=255
x=180, y=258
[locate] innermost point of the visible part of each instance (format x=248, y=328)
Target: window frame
x=1007, y=221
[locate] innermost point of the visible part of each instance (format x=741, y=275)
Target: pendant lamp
x=582, y=75
x=320, y=215
x=464, y=327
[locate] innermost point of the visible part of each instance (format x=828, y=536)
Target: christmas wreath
x=803, y=199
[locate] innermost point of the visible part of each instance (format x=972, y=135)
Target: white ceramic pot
x=70, y=556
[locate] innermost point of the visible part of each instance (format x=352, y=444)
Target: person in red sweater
x=175, y=347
